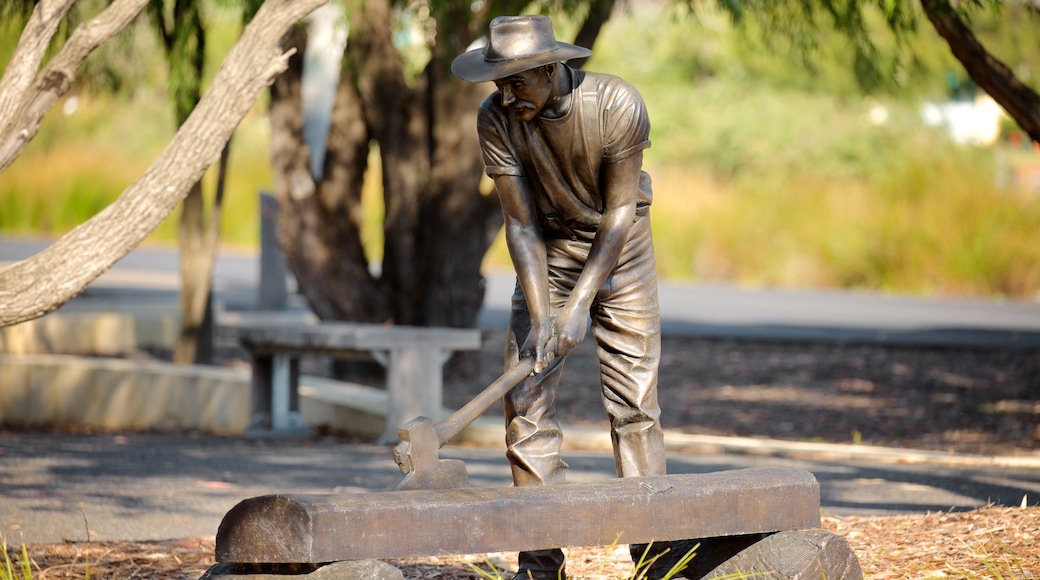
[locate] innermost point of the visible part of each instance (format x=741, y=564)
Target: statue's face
x=526, y=93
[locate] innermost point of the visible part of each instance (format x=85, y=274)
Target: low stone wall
x=93, y=332
x=85, y=330
x=121, y=394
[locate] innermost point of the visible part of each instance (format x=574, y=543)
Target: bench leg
x=281, y=388
x=414, y=382
x=260, y=398
x=276, y=398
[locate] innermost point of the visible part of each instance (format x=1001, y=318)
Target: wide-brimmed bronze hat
x=515, y=44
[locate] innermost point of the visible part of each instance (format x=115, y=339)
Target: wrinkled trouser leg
x=626, y=323
x=626, y=327
x=533, y=435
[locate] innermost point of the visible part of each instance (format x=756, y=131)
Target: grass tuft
x=489, y=571
x=21, y=570
x=1002, y=566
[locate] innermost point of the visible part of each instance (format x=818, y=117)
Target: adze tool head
x=419, y=440
x=416, y=453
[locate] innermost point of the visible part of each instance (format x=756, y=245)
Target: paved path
x=151, y=273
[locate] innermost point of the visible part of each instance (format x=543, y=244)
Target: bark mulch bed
x=990, y=542
x=962, y=400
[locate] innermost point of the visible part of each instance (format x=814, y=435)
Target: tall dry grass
x=926, y=224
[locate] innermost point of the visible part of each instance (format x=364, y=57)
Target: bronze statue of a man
x=565, y=150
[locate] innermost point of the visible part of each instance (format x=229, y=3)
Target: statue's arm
x=620, y=191
x=527, y=250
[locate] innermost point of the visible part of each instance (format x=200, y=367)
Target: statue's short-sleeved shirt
x=561, y=158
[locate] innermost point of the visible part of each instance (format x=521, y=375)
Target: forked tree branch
x=38, y=285
x=54, y=81
x=32, y=45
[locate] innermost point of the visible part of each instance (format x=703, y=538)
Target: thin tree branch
x=57, y=77
x=32, y=45
x=992, y=75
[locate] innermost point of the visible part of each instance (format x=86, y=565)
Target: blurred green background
x=770, y=169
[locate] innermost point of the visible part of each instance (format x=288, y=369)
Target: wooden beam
x=326, y=528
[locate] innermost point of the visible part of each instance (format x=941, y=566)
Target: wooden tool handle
x=460, y=419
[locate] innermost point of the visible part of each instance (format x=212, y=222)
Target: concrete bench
x=739, y=507
x=413, y=356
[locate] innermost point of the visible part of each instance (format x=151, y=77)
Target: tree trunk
x=36, y=286
x=195, y=266
x=319, y=223
x=599, y=13
x=398, y=121
x=992, y=75
x=438, y=226
x=199, y=244
x=184, y=39
x=458, y=224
